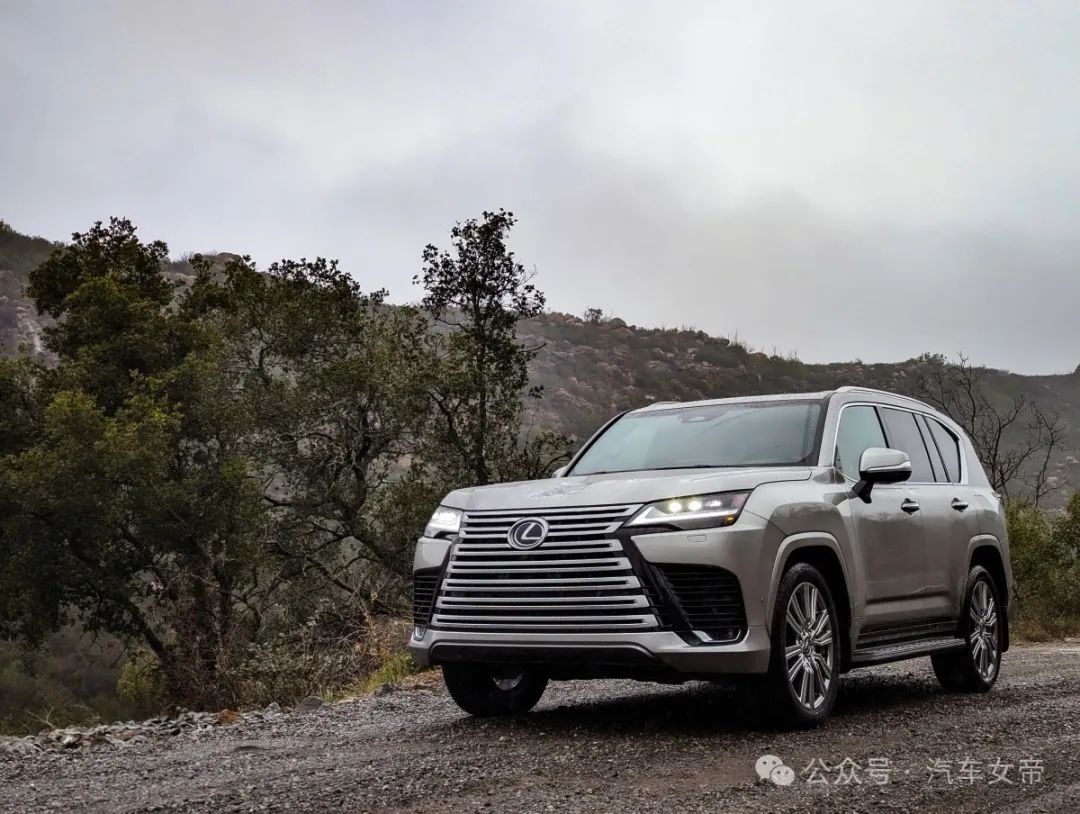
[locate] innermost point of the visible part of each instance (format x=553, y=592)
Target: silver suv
x=790, y=537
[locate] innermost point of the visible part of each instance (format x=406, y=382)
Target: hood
x=618, y=487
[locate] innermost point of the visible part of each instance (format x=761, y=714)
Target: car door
x=950, y=516
x=907, y=431
x=886, y=533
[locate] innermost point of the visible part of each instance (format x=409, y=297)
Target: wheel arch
x=985, y=550
x=822, y=551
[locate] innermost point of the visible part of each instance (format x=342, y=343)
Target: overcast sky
x=860, y=179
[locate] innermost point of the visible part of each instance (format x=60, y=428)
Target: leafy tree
x=28, y=600
x=478, y=292
x=135, y=499
x=337, y=385
x=111, y=299
x=218, y=471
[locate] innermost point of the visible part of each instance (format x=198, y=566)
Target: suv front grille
x=578, y=580
x=709, y=598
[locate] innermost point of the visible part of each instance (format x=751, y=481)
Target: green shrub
x=141, y=685
x=1045, y=553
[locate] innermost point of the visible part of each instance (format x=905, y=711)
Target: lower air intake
x=709, y=598
x=425, y=582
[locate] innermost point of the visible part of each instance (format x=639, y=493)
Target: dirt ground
x=895, y=743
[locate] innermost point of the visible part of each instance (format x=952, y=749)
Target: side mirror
x=558, y=473
x=880, y=465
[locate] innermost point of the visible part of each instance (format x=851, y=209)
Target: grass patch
x=395, y=668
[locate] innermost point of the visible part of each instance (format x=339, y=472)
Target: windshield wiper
x=658, y=469
x=684, y=466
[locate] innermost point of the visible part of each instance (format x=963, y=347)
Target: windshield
x=748, y=434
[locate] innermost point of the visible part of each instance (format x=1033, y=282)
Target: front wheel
x=976, y=667
x=485, y=690
x=804, y=666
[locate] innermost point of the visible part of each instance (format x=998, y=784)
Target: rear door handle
x=910, y=506
x=959, y=504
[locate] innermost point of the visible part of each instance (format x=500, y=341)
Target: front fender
x=803, y=540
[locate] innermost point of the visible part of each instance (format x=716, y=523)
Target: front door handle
x=959, y=504
x=910, y=506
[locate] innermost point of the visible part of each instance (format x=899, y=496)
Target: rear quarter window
x=949, y=447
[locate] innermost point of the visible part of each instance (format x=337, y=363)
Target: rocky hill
x=593, y=368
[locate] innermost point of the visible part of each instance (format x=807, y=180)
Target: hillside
x=591, y=369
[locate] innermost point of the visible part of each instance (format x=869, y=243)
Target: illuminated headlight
x=444, y=521
x=694, y=512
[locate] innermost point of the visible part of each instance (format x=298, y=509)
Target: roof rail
x=854, y=388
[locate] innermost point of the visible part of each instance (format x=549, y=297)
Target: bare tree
x=595, y=316
x=1014, y=438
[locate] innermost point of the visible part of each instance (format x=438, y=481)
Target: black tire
x=976, y=667
x=485, y=690
x=808, y=662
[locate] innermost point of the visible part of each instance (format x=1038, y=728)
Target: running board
x=907, y=650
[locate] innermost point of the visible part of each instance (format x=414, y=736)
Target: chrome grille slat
x=579, y=579
x=502, y=619
x=615, y=583
x=553, y=547
x=551, y=514
x=504, y=526
x=555, y=533
x=539, y=602
x=587, y=623
x=540, y=566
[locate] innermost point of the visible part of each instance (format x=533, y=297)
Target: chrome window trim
x=963, y=481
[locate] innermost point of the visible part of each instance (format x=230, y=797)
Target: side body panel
x=897, y=572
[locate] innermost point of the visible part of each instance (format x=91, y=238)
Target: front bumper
x=630, y=650
x=746, y=549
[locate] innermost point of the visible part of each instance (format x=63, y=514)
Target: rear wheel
x=976, y=667
x=804, y=666
x=484, y=690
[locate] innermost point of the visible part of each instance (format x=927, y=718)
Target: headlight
x=444, y=521
x=694, y=512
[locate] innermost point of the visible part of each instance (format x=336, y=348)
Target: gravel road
x=606, y=746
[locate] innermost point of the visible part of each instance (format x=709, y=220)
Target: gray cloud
x=842, y=180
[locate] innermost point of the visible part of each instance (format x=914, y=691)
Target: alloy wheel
x=809, y=652
x=983, y=636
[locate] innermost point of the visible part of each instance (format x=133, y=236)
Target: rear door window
x=936, y=463
x=903, y=434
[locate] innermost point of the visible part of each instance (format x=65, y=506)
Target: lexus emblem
x=527, y=533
